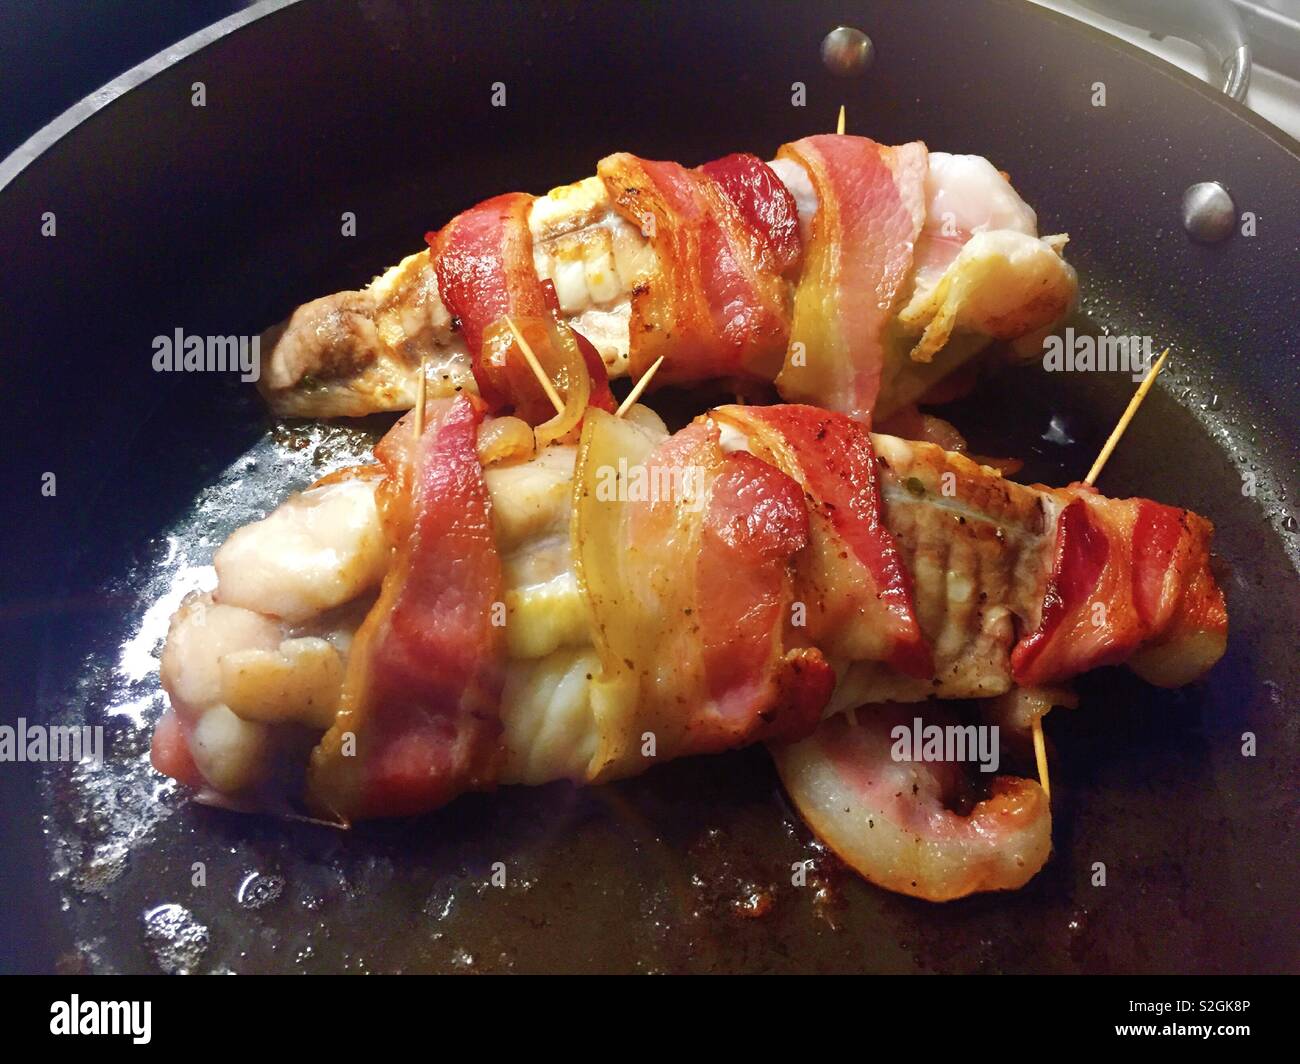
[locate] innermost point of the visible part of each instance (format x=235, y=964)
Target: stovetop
x=1272, y=28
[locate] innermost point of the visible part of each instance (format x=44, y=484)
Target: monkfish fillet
x=975, y=270
x=256, y=669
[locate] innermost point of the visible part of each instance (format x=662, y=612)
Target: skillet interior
x=218, y=220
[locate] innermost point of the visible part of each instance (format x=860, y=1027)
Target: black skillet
x=220, y=219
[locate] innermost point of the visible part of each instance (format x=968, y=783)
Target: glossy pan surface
x=220, y=219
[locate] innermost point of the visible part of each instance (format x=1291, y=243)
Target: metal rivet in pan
x=1208, y=212
x=847, y=52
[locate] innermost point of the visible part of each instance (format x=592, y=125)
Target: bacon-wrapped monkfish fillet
x=468, y=613
x=853, y=275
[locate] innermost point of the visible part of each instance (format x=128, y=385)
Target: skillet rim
x=18, y=162
x=164, y=61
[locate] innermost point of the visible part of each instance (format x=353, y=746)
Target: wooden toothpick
x=1040, y=744
x=639, y=387
x=1133, y=405
x=536, y=367
x=839, y=126
x=1040, y=755
x=420, y=388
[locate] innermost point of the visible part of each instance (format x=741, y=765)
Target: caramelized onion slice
x=597, y=551
x=505, y=440
x=564, y=364
x=560, y=359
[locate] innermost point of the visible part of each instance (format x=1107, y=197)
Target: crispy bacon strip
x=896, y=822
x=713, y=307
x=1127, y=575
x=755, y=524
x=871, y=206
x=765, y=204
x=690, y=589
x=856, y=588
x=419, y=717
x=600, y=397
x=484, y=263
